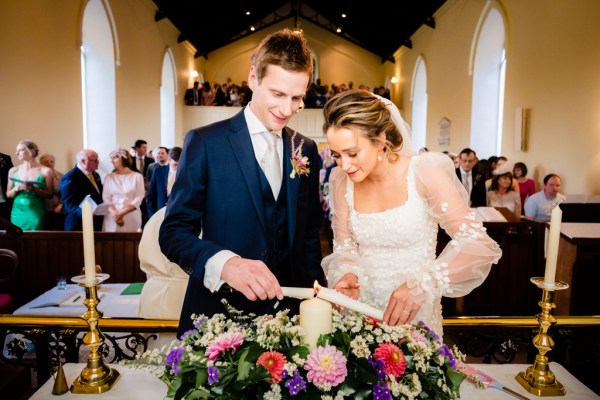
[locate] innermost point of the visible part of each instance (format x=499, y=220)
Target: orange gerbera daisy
x=392, y=357
x=273, y=362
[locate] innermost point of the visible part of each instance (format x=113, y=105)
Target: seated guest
x=162, y=182
x=5, y=166
x=124, y=191
x=539, y=206
x=30, y=183
x=54, y=207
x=500, y=162
x=501, y=192
x=526, y=185
x=76, y=184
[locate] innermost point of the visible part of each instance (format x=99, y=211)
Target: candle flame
x=316, y=287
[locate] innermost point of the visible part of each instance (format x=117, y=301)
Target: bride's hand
x=401, y=309
x=349, y=286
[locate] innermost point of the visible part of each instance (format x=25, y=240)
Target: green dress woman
x=29, y=208
x=29, y=185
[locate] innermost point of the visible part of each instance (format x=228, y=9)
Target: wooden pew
x=45, y=256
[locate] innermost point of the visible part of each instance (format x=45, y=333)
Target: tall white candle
x=298, y=293
x=89, y=257
x=342, y=300
x=315, y=319
x=552, y=248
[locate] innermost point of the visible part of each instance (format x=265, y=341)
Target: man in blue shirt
x=540, y=205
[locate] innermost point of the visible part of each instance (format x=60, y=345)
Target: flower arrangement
x=299, y=161
x=246, y=357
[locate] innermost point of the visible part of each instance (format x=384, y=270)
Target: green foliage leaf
x=365, y=371
x=201, y=377
x=325, y=340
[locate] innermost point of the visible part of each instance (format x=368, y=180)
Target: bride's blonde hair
x=360, y=110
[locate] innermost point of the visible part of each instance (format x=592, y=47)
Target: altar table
x=69, y=302
x=138, y=384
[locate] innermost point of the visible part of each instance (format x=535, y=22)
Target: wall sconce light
x=194, y=75
x=394, y=79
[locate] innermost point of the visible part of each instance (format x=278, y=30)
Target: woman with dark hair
x=29, y=184
x=502, y=193
x=526, y=185
x=124, y=190
x=386, y=206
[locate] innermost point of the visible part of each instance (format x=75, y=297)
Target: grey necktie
x=467, y=182
x=271, y=163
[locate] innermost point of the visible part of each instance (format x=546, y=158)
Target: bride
x=386, y=206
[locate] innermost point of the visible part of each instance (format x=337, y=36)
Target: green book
x=133, y=288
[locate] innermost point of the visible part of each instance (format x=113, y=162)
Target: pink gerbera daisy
x=273, y=362
x=392, y=357
x=326, y=367
x=231, y=340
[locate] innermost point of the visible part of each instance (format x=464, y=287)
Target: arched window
x=419, y=104
x=98, y=81
x=488, y=67
x=167, y=101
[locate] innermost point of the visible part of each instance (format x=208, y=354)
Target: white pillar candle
x=552, y=248
x=298, y=293
x=342, y=300
x=315, y=319
x=89, y=257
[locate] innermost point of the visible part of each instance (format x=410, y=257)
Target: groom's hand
x=252, y=278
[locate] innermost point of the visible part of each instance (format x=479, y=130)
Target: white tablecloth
x=135, y=384
x=69, y=302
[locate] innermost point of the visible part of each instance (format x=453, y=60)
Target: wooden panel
x=46, y=256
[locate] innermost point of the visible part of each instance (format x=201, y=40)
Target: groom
x=260, y=227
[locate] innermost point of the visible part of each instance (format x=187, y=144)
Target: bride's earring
x=379, y=158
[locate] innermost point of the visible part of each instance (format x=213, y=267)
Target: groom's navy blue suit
x=221, y=190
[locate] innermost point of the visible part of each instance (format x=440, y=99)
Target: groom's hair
x=285, y=48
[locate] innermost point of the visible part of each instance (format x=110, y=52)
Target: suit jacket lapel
x=293, y=185
x=241, y=146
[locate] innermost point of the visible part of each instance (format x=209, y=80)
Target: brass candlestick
x=96, y=377
x=538, y=379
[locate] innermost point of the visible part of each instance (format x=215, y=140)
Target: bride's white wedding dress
x=388, y=249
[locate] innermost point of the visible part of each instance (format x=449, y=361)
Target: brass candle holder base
x=96, y=377
x=538, y=379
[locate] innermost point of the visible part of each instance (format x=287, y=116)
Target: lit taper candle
x=552, y=248
x=89, y=257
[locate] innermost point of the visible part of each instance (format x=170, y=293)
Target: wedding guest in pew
x=54, y=208
x=386, y=204
x=5, y=203
x=501, y=193
x=260, y=223
x=30, y=183
x=526, y=185
x=124, y=191
x=539, y=206
x=76, y=184
x=162, y=182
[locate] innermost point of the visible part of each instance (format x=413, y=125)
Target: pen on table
x=76, y=299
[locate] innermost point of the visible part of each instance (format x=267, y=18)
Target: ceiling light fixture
x=252, y=28
x=339, y=30
x=343, y=15
x=247, y=12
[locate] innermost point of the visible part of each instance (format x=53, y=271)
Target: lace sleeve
x=467, y=259
x=345, y=258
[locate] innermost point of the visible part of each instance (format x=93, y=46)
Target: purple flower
x=381, y=392
x=187, y=333
x=198, y=323
x=445, y=352
x=173, y=359
x=295, y=384
x=430, y=331
x=379, y=367
x=213, y=375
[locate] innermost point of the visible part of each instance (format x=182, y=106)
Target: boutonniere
x=299, y=161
